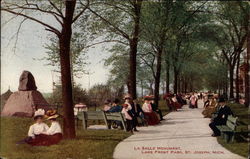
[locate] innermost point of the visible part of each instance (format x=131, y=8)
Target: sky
x=30, y=48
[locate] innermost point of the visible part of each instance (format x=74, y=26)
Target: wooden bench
x=118, y=116
x=228, y=130
x=100, y=115
x=90, y=115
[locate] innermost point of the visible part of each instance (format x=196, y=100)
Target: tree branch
x=81, y=12
x=109, y=23
x=54, y=30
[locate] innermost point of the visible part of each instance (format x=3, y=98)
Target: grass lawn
x=90, y=144
x=239, y=146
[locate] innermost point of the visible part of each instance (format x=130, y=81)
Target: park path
x=178, y=137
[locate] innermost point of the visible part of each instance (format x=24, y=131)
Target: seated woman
x=107, y=105
x=52, y=135
x=115, y=106
x=210, y=109
x=176, y=104
x=36, y=129
x=150, y=115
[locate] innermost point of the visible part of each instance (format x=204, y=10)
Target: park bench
x=118, y=116
x=228, y=130
x=101, y=115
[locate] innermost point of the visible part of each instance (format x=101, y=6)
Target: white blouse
x=37, y=128
x=54, y=128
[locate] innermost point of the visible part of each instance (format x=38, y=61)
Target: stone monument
x=26, y=100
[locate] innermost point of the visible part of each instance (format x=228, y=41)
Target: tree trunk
x=237, y=87
x=175, y=81
x=67, y=98
x=179, y=85
x=247, y=93
x=167, y=77
x=158, y=76
x=231, y=82
x=133, y=49
x=132, y=69
x=142, y=89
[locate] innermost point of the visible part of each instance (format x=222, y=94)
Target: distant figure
x=175, y=102
x=221, y=118
x=169, y=102
x=155, y=108
x=115, y=106
x=193, y=101
x=107, y=105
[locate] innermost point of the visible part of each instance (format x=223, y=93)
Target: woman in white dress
x=39, y=127
x=52, y=135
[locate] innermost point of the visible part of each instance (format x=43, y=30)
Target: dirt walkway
x=183, y=135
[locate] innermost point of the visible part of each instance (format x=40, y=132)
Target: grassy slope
x=239, y=146
x=95, y=144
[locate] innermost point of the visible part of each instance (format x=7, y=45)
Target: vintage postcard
x=124, y=79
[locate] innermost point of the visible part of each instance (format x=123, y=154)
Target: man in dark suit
x=137, y=112
x=155, y=108
x=221, y=118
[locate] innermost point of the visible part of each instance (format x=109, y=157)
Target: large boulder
x=27, y=82
x=24, y=104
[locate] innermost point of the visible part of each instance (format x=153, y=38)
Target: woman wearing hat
x=54, y=134
x=150, y=115
x=36, y=129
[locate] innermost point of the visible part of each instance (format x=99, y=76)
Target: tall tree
x=155, y=17
x=231, y=38
x=120, y=20
x=65, y=14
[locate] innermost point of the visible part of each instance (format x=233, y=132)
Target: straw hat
x=127, y=96
x=51, y=114
x=147, y=98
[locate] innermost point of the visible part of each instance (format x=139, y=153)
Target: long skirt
x=177, y=105
x=152, y=118
x=45, y=140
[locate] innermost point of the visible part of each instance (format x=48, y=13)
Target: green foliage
x=79, y=95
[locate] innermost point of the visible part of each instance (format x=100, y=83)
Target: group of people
x=215, y=108
x=149, y=113
x=175, y=101
x=40, y=134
